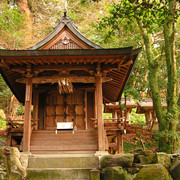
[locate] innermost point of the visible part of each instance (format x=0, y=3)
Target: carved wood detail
x=65, y=43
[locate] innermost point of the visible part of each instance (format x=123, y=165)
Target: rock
x=153, y=172
x=17, y=171
x=124, y=160
x=178, y=151
x=114, y=173
x=175, y=171
x=105, y=160
x=2, y=143
x=147, y=157
x=174, y=159
x=95, y=174
x=3, y=165
x=163, y=158
x=10, y=165
x=24, y=160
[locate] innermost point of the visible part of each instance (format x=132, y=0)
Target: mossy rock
x=17, y=171
x=147, y=157
x=2, y=143
x=175, y=171
x=163, y=158
x=95, y=174
x=10, y=165
x=153, y=172
x=124, y=160
x=114, y=173
x=3, y=165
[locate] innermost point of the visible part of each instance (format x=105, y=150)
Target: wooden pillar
x=128, y=115
x=100, y=123
x=27, y=116
x=35, y=109
x=85, y=109
x=120, y=142
x=148, y=117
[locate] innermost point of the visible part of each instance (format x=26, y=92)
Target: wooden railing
x=18, y=125
x=112, y=123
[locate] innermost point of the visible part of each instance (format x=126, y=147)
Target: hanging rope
x=65, y=86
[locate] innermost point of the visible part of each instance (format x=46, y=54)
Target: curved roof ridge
x=70, y=24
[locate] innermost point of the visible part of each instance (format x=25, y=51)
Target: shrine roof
x=68, y=24
x=147, y=104
x=67, y=48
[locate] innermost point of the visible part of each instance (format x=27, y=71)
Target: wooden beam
x=101, y=140
x=27, y=116
x=55, y=79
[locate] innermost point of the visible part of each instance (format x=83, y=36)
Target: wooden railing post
x=100, y=122
x=27, y=116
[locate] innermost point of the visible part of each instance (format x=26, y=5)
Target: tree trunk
x=153, y=82
x=172, y=109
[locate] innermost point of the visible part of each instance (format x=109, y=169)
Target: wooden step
x=81, y=140
x=62, y=152
x=65, y=132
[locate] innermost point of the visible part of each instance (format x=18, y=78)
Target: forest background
x=23, y=23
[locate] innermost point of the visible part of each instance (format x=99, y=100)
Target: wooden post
x=120, y=142
x=27, y=116
x=128, y=116
x=85, y=109
x=35, y=110
x=100, y=123
x=148, y=117
x=95, y=104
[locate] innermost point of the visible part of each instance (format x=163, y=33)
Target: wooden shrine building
x=122, y=109
x=66, y=78
x=145, y=106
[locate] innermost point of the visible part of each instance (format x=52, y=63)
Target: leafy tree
x=152, y=17
x=5, y=97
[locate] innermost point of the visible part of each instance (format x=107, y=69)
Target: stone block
x=153, y=172
x=124, y=160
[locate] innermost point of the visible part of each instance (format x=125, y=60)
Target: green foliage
x=2, y=120
x=11, y=26
x=10, y=19
x=107, y=115
x=20, y=110
x=5, y=96
x=151, y=18
x=137, y=118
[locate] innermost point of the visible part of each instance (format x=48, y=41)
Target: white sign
x=64, y=125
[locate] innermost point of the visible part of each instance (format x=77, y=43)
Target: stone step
x=63, y=161
x=58, y=174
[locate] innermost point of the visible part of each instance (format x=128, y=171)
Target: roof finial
x=65, y=12
x=65, y=8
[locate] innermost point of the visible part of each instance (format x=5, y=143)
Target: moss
x=163, y=159
x=153, y=172
x=54, y=174
x=104, y=161
x=124, y=160
x=175, y=171
x=114, y=173
x=95, y=174
x=3, y=165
